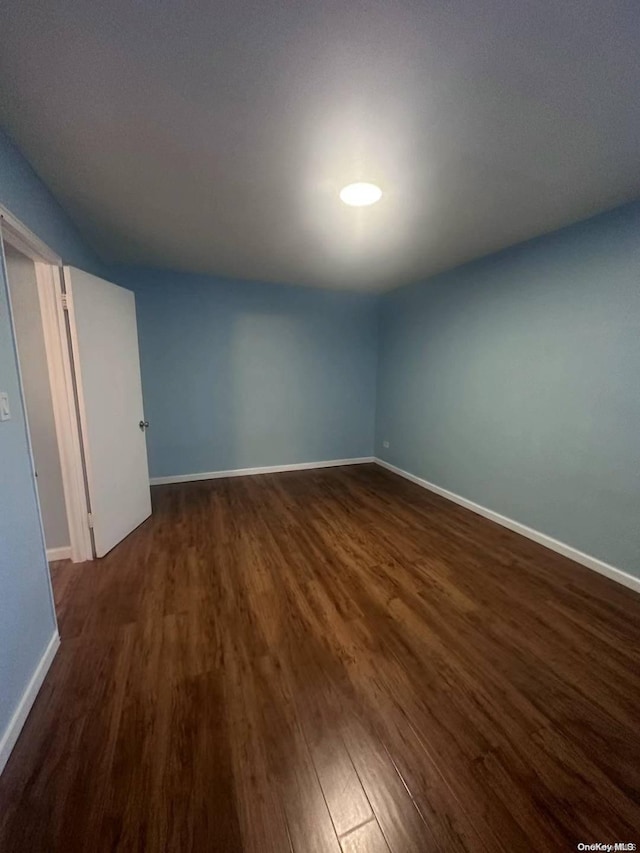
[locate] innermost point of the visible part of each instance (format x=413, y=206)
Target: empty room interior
x=319, y=426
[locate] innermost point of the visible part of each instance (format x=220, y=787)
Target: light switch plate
x=5, y=412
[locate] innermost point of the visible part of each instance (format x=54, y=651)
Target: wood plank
x=329, y=660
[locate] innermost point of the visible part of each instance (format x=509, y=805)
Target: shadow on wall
x=241, y=375
x=283, y=404
x=266, y=383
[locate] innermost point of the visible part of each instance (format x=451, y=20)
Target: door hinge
x=65, y=302
x=90, y=520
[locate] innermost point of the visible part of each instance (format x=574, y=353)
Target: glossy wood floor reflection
x=323, y=661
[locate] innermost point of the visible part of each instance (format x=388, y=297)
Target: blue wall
x=241, y=374
x=27, y=619
x=514, y=381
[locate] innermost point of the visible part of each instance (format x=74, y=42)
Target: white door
x=104, y=340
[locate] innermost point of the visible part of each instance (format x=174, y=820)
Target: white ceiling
x=213, y=136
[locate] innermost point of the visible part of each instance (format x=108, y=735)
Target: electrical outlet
x=385, y=444
x=5, y=412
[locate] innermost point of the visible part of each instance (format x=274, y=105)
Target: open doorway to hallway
x=32, y=358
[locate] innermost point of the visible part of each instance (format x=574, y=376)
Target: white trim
x=249, y=472
x=78, y=401
x=24, y=240
x=63, y=552
x=64, y=411
x=541, y=538
x=17, y=721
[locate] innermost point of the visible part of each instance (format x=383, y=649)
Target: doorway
x=33, y=273
x=36, y=387
x=76, y=343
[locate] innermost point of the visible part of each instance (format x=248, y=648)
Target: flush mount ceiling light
x=360, y=194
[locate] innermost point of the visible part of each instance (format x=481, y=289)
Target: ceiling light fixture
x=360, y=194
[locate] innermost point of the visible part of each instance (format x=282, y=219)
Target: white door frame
x=48, y=268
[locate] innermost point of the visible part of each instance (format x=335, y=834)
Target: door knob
x=143, y=425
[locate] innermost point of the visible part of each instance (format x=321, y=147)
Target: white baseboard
x=61, y=553
x=17, y=721
x=560, y=547
x=248, y=472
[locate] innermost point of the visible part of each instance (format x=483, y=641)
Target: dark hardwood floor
x=323, y=661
